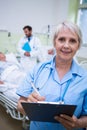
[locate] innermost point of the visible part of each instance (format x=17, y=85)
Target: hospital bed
x=12, y=77
x=11, y=107
x=7, y=97
x=6, y=100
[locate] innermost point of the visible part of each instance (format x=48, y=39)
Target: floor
x=7, y=123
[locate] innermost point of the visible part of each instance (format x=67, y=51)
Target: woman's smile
x=66, y=51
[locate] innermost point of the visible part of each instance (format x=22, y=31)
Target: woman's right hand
x=34, y=97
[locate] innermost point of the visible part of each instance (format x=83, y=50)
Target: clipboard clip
x=61, y=102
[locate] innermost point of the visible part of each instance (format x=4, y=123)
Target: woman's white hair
x=72, y=27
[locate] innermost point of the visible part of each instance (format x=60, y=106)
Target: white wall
x=14, y=14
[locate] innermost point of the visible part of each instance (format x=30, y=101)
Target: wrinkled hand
x=68, y=122
x=34, y=97
x=27, y=54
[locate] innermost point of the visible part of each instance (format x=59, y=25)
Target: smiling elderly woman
x=53, y=77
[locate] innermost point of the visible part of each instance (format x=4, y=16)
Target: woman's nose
x=66, y=44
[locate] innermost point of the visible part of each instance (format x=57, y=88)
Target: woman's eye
x=73, y=41
x=61, y=39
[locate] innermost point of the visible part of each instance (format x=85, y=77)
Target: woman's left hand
x=68, y=122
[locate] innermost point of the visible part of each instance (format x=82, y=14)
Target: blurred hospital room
x=42, y=17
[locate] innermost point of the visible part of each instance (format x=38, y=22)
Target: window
x=83, y=1
x=82, y=19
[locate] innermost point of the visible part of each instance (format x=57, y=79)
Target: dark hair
x=28, y=27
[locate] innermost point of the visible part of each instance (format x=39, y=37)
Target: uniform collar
x=76, y=69
x=51, y=63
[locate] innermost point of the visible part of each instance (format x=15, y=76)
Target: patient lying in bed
x=11, y=75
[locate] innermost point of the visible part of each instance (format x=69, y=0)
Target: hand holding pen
x=34, y=88
x=35, y=96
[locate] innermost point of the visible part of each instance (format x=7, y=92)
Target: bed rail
x=11, y=107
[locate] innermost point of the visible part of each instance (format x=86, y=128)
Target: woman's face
x=66, y=45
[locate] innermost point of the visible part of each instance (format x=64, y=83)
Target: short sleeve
x=25, y=87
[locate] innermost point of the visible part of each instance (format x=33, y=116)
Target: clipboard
x=26, y=47
x=45, y=112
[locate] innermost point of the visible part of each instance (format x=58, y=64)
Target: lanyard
x=66, y=88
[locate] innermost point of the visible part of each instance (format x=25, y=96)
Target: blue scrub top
x=46, y=79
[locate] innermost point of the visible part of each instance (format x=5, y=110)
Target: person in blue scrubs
x=59, y=80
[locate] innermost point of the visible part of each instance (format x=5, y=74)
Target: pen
x=35, y=89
